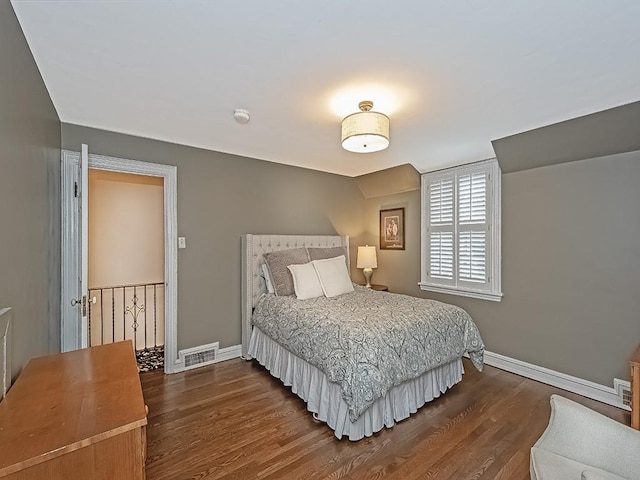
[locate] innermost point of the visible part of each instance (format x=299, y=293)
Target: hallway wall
x=126, y=229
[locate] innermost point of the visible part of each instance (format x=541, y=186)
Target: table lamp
x=367, y=260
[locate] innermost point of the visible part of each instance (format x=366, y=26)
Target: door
x=75, y=252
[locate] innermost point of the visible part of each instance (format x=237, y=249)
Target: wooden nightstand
x=635, y=389
x=379, y=288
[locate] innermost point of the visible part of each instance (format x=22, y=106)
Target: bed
x=361, y=361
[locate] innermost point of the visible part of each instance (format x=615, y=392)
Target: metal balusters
x=124, y=313
x=145, y=317
x=135, y=318
x=155, y=317
x=101, y=319
x=113, y=315
x=132, y=306
x=89, y=318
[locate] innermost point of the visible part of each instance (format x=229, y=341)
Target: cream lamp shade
x=367, y=260
x=365, y=131
x=367, y=257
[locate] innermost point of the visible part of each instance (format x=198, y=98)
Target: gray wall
x=220, y=197
x=29, y=198
x=570, y=248
x=570, y=263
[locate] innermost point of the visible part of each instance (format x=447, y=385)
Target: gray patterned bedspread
x=368, y=341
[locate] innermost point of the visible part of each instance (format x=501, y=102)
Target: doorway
x=122, y=302
x=126, y=263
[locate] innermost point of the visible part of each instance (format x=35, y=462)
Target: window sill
x=463, y=292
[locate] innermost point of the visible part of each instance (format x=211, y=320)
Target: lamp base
x=368, y=272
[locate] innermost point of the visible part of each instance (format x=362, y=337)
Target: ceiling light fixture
x=365, y=131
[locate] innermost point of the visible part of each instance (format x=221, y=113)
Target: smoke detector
x=241, y=116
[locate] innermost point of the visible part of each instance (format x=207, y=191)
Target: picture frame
x=392, y=233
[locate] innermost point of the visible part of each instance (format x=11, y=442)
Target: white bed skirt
x=324, y=398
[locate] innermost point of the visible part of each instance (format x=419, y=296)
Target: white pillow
x=267, y=278
x=334, y=276
x=305, y=281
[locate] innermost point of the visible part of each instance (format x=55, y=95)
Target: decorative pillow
x=327, y=252
x=333, y=275
x=277, y=263
x=267, y=278
x=305, y=281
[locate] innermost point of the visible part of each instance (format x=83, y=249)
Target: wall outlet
x=182, y=242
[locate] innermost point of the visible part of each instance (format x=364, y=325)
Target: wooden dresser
x=76, y=415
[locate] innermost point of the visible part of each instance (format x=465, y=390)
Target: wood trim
x=494, y=252
x=170, y=175
x=635, y=389
x=115, y=164
x=461, y=292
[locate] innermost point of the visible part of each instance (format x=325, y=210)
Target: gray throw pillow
x=277, y=263
x=322, y=253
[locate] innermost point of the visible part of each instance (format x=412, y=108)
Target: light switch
x=182, y=242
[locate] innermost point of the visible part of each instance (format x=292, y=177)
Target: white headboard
x=253, y=248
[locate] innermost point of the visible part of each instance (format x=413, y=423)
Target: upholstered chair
x=580, y=444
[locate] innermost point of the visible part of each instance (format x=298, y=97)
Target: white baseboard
x=229, y=353
x=586, y=388
x=222, y=355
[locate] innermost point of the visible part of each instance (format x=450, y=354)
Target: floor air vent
x=626, y=397
x=198, y=356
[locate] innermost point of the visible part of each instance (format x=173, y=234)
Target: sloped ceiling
x=399, y=179
x=452, y=76
x=612, y=131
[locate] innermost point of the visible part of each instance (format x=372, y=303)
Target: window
x=461, y=231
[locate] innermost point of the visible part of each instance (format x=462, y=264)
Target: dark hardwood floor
x=233, y=420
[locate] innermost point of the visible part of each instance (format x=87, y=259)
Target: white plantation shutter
x=472, y=226
x=472, y=198
x=441, y=255
x=472, y=257
x=441, y=201
x=441, y=195
x=461, y=244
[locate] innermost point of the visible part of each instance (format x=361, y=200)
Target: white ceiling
x=452, y=76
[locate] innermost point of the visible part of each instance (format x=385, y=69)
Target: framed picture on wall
x=392, y=229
